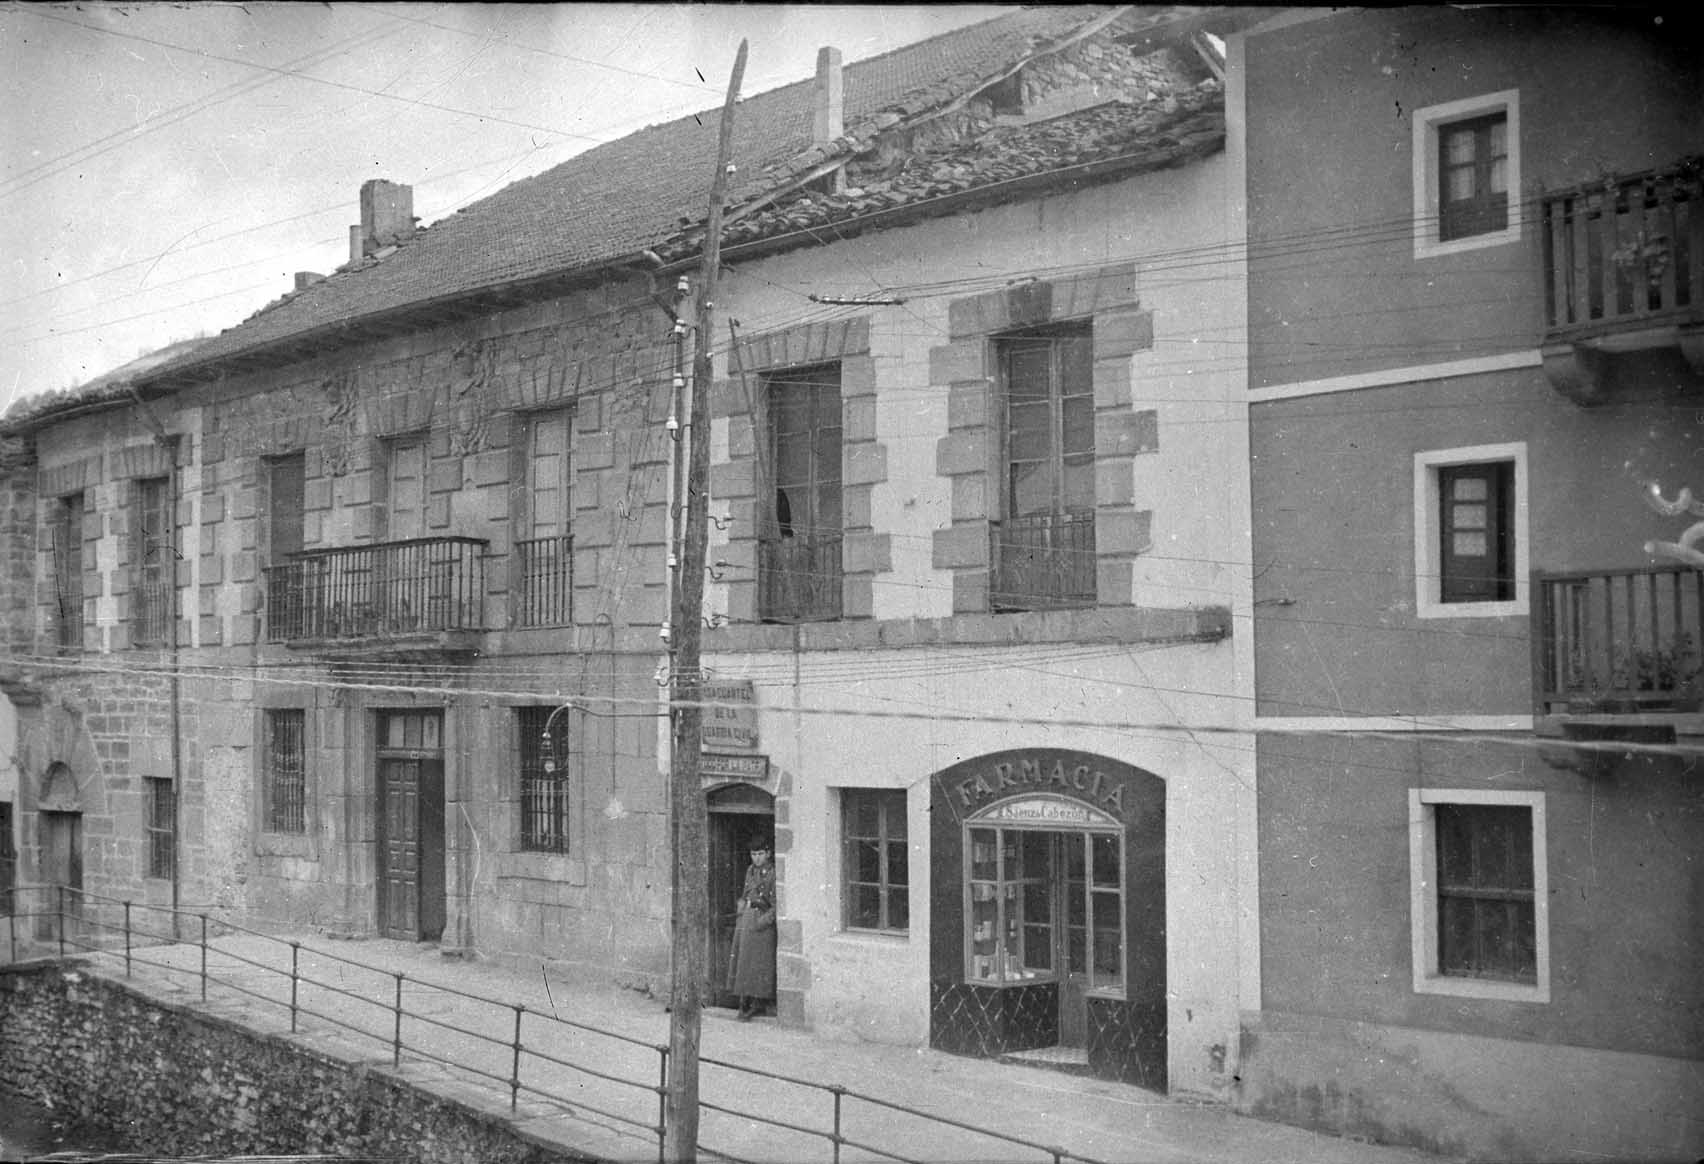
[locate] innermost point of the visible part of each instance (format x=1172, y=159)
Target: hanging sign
x=1045, y=810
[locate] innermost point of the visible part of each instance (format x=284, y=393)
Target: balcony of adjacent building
x=1617, y=655
x=1623, y=275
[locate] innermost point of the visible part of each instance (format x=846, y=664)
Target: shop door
x=738, y=814
x=61, y=864
x=1070, y=953
x=410, y=782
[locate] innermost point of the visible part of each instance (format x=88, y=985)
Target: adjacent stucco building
x=1474, y=312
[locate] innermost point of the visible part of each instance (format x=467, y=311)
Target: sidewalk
x=1092, y=1118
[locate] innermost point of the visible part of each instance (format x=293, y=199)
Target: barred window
x=544, y=780
x=155, y=560
x=159, y=807
x=286, y=771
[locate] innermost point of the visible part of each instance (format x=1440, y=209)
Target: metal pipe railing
x=516, y=1053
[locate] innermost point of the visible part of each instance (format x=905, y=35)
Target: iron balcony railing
x=1618, y=640
x=418, y=586
x=1043, y=561
x=153, y=611
x=799, y=578
x=544, y=582
x=1622, y=252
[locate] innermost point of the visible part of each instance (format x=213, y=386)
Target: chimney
x=830, y=107
x=306, y=279
x=387, y=217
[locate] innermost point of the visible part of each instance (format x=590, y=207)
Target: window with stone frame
x=159, y=806
x=800, y=539
x=285, y=779
x=67, y=533
x=544, y=787
x=1043, y=535
x=544, y=543
x=876, y=856
x=156, y=561
x=1479, y=896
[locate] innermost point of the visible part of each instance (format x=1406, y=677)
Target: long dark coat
x=751, y=963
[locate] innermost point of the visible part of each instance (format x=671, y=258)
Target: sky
x=165, y=169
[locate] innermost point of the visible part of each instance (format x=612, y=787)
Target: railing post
x=837, y=1091
x=127, y=939
x=203, y=957
x=61, y=926
x=396, y=1038
x=662, y=1104
x=12, y=930
x=295, y=951
x=515, y=1070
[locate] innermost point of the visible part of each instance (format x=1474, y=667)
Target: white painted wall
x=821, y=718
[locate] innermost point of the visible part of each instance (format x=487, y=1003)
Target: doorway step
x=1073, y=1060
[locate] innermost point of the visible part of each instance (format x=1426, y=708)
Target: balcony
x=799, y=579
x=421, y=594
x=1044, y=561
x=543, y=583
x=1623, y=271
x=1618, y=642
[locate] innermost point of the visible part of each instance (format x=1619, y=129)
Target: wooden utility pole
x=690, y=931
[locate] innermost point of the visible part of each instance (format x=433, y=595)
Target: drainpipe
x=174, y=480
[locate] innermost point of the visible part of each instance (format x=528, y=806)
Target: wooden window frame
x=1065, y=529
x=797, y=534
x=1425, y=892
x=1485, y=211
x=1429, y=530
x=159, y=800
x=888, y=841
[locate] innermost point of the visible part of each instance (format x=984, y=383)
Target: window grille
x=1486, y=926
x=286, y=771
x=544, y=781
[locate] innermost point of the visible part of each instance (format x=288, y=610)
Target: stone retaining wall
x=180, y=1081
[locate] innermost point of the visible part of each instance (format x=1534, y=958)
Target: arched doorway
x=61, y=837
x=738, y=815
x=1048, y=913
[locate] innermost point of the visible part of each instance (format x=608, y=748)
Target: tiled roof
x=650, y=189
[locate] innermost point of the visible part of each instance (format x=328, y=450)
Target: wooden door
x=412, y=904
x=61, y=864
x=738, y=814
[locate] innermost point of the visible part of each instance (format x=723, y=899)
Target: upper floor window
x=543, y=780
x=1470, y=531
x=1043, y=548
x=405, y=485
x=1473, y=176
x=68, y=571
x=156, y=560
x=799, y=563
x=1479, y=893
x=286, y=502
x=1467, y=174
x=877, y=880
x=544, y=578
